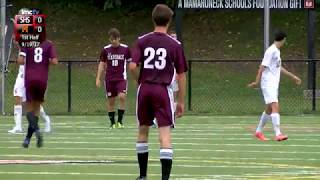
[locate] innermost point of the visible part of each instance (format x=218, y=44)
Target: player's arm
x=258, y=77
x=54, y=61
x=101, y=68
x=181, y=67
x=296, y=79
x=134, y=69
x=135, y=61
x=182, y=91
x=53, y=55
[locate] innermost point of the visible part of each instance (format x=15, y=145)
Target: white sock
x=263, y=120
x=43, y=115
x=276, y=123
x=18, y=116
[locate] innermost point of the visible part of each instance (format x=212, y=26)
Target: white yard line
x=174, y=134
x=175, y=143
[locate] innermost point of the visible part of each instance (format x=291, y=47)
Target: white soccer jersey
x=270, y=77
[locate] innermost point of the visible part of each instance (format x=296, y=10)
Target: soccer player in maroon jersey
x=113, y=60
x=158, y=54
x=36, y=61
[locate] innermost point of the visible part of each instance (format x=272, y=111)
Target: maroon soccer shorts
x=155, y=101
x=113, y=88
x=35, y=90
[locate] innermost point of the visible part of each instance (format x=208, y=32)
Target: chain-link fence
x=215, y=87
x=220, y=87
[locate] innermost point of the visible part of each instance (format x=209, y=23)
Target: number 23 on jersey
x=158, y=55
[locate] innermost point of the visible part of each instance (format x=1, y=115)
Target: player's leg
x=175, y=95
x=111, y=111
x=122, y=94
x=111, y=94
x=166, y=151
x=35, y=95
x=46, y=118
x=275, y=117
x=121, y=110
x=20, y=97
x=17, y=115
x=32, y=118
x=142, y=150
x=265, y=117
x=163, y=103
x=145, y=115
x=36, y=112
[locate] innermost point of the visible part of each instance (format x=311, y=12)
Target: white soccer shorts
x=19, y=89
x=174, y=86
x=270, y=95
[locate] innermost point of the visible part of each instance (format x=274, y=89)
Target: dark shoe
x=26, y=143
x=39, y=139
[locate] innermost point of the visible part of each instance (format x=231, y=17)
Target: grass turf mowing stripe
x=176, y=149
x=134, y=157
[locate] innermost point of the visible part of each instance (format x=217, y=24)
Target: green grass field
x=205, y=147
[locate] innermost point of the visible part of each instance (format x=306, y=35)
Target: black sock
x=142, y=154
x=120, y=115
x=166, y=165
x=166, y=162
x=111, y=116
x=33, y=124
x=29, y=133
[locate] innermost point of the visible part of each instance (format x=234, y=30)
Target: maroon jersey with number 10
x=116, y=59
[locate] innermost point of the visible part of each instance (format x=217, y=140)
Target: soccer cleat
x=141, y=178
x=39, y=139
x=281, y=137
x=112, y=126
x=26, y=143
x=15, y=130
x=261, y=136
x=120, y=125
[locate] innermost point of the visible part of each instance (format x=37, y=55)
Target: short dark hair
x=279, y=35
x=114, y=32
x=161, y=15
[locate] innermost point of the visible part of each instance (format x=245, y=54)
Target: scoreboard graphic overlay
x=30, y=28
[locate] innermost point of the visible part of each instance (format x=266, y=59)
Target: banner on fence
x=245, y=4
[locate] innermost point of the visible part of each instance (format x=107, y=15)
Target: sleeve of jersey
x=266, y=59
x=136, y=53
x=103, y=57
x=23, y=52
x=53, y=52
x=180, y=62
x=128, y=56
